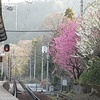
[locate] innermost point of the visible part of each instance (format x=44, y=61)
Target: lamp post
x=45, y=50
x=42, y=68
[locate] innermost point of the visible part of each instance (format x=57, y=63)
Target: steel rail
x=29, y=91
x=65, y=97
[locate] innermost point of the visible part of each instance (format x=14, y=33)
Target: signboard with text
x=64, y=82
x=44, y=49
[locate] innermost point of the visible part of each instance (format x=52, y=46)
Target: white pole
x=35, y=62
x=30, y=69
x=44, y=50
x=42, y=62
x=12, y=59
x=42, y=68
x=8, y=66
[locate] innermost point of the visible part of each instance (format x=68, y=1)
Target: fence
x=84, y=88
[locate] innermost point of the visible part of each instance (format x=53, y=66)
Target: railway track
x=34, y=97
x=19, y=88
x=63, y=97
x=16, y=90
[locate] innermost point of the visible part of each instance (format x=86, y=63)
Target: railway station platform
x=4, y=94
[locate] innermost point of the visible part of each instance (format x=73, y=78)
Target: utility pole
x=47, y=77
x=30, y=68
x=35, y=61
x=8, y=66
x=12, y=59
x=42, y=69
x=10, y=69
x=44, y=50
x=81, y=7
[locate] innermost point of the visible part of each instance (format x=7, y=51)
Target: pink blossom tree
x=63, y=50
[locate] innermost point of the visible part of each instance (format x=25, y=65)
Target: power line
x=31, y=30
x=74, y=7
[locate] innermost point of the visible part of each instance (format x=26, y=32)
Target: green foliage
x=69, y=13
x=51, y=68
x=56, y=81
x=92, y=76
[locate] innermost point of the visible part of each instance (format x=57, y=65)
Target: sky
x=28, y=13
x=15, y=1
x=74, y=4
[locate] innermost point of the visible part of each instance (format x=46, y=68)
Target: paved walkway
x=4, y=94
